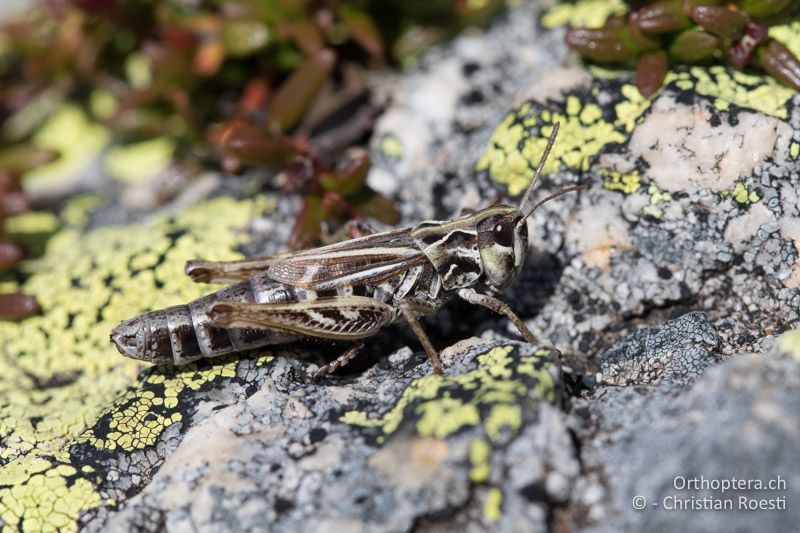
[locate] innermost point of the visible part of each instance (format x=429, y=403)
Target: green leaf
x=293, y=96
x=307, y=227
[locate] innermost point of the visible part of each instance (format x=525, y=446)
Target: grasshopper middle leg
x=410, y=308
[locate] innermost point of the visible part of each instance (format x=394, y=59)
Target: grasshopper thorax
x=502, y=243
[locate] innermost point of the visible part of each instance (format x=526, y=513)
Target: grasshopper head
x=503, y=233
x=503, y=244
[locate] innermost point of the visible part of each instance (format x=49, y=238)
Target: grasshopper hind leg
x=339, y=362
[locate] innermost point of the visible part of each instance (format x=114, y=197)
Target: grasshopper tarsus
x=346, y=291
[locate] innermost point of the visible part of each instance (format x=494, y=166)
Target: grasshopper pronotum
x=346, y=291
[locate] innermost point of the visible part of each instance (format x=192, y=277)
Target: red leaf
x=10, y=254
x=650, y=72
x=16, y=306
x=240, y=142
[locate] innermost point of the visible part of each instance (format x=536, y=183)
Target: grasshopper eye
x=504, y=233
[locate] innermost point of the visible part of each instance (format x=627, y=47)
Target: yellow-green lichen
x=794, y=149
x=789, y=343
x=140, y=161
x=138, y=71
x=391, y=146
x=501, y=418
x=493, y=507
x=63, y=386
x=492, y=389
x=76, y=139
x=76, y=212
x=744, y=196
x=44, y=498
x=514, y=150
x=31, y=222
x=137, y=418
x=445, y=417
x=741, y=194
x=583, y=13
x=628, y=182
x=657, y=196
x=632, y=106
x=480, y=455
x=103, y=104
x=760, y=92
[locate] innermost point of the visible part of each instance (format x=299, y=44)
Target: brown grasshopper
x=346, y=291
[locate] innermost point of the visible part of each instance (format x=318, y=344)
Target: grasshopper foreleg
x=499, y=307
x=410, y=307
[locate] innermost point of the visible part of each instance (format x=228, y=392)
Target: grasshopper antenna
x=539, y=168
x=556, y=195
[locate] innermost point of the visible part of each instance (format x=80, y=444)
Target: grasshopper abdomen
x=184, y=333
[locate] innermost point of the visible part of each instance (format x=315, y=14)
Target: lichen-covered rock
x=379, y=452
x=678, y=350
x=81, y=428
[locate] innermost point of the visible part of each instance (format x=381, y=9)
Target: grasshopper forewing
x=346, y=291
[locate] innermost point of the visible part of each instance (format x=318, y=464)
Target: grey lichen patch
x=741, y=229
x=677, y=351
x=790, y=230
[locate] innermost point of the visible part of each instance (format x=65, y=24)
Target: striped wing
x=365, y=260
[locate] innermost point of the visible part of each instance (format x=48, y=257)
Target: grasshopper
x=346, y=291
